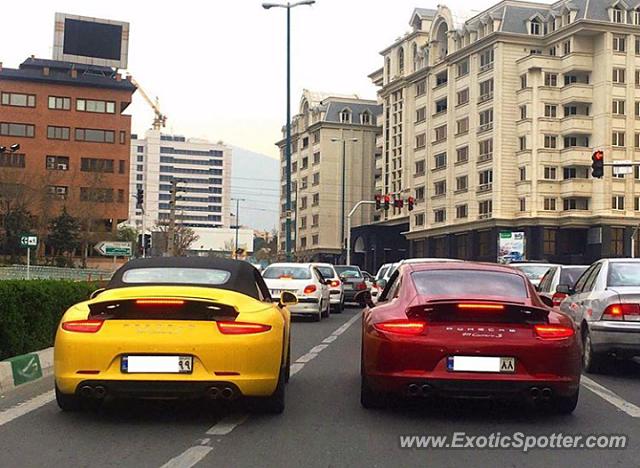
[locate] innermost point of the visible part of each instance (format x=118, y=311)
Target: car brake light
x=553, y=332
x=401, y=327
x=620, y=311
x=159, y=302
x=335, y=283
x=361, y=286
x=557, y=298
x=310, y=289
x=241, y=328
x=83, y=326
x=481, y=306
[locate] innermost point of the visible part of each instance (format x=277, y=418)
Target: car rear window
x=349, y=272
x=466, y=283
x=570, y=275
x=290, y=272
x=533, y=272
x=382, y=272
x=624, y=274
x=169, y=275
x=326, y=272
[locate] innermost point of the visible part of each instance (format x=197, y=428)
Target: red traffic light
x=387, y=201
x=378, y=200
x=597, y=164
x=410, y=202
x=598, y=155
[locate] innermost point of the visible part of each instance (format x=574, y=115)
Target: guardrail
x=47, y=272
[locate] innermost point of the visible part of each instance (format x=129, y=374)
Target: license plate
x=481, y=364
x=156, y=364
x=348, y=286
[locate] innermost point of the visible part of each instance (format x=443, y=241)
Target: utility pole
x=358, y=205
x=171, y=238
x=343, y=188
x=237, y=200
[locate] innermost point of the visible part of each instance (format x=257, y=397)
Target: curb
x=28, y=367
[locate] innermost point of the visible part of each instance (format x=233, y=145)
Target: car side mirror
x=287, y=299
x=547, y=301
x=565, y=289
x=342, y=278
x=97, y=292
x=364, y=299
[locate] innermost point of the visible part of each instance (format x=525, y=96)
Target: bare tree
x=184, y=236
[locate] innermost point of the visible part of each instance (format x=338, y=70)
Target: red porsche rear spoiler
x=486, y=311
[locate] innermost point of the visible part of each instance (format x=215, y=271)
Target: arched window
x=618, y=15
x=536, y=27
x=415, y=56
x=400, y=60
x=365, y=118
x=636, y=16
x=345, y=116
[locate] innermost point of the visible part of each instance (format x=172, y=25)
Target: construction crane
x=160, y=120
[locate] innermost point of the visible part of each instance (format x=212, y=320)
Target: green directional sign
x=114, y=249
x=27, y=240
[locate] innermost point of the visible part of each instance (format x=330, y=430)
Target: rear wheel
x=67, y=402
x=566, y=405
x=593, y=362
x=338, y=308
x=327, y=310
x=275, y=403
x=369, y=399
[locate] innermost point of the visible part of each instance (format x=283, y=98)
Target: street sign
x=620, y=170
x=27, y=240
x=114, y=249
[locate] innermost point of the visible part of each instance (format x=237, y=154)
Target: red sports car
x=467, y=330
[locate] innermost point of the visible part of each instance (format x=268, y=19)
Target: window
x=486, y=60
x=486, y=90
x=617, y=202
x=618, y=15
x=617, y=241
x=523, y=81
x=485, y=179
x=95, y=136
x=316, y=136
x=463, y=96
x=550, y=141
x=59, y=103
x=316, y=158
x=305, y=163
x=619, y=44
x=439, y=216
x=345, y=116
x=315, y=239
x=440, y=160
x=550, y=173
x=617, y=138
x=462, y=183
x=462, y=211
x=57, y=163
x=637, y=109
x=485, y=209
x=441, y=133
x=549, y=204
x=419, y=219
x=442, y=78
x=485, y=149
x=462, y=126
x=570, y=110
x=462, y=154
x=552, y=50
x=618, y=75
x=303, y=203
x=401, y=60
x=96, y=165
x=18, y=100
x=550, y=110
x=486, y=120
x=315, y=220
x=549, y=240
x=421, y=88
x=570, y=204
x=15, y=160
x=523, y=112
x=316, y=179
x=536, y=27
x=569, y=173
x=618, y=107
x=304, y=183
x=421, y=114
x=522, y=143
x=566, y=47
x=294, y=166
x=315, y=200
x=551, y=79
x=303, y=242
x=419, y=194
x=305, y=142
x=420, y=167
x=100, y=195
x=523, y=173
x=440, y=187
x=58, y=191
x=57, y=133
x=441, y=106
x=636, y=203
x=523, y=204
x=92, y=105
x=484, y=242
x=463, y=68
x=421, y=140
x=17, y=129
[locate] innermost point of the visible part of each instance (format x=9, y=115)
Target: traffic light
x=597, y=164
x=398, y=203
x=378, y=199
x=147, y=242
x=410, y=202
x=139, y=198
x=387, y=201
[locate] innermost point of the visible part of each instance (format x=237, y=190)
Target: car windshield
x=533, y=272
x=570, y=275
x=624, y=274
x=326, y=272
x=466, y=283
x=349, y=271
x=287, y=272
x=170, y=275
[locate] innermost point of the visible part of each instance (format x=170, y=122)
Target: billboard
x=91, y=41
x=511, y=247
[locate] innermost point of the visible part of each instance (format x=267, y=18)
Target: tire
x=338, y=308
x=566, y=405
x=327, y=311
x=287, y=372
x=369, y=399
x=68, y=403
x=275, y=403
x=318, y=316
x=592, y=362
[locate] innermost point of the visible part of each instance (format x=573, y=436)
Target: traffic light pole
x=358, y=205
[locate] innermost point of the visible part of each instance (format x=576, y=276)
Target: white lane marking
x=26, y=407
x=317, y=349
x=606, y=394
x=228, y=424
x=344, y=327
x=189, y=457
x=296, y=367
x=306, y=358
x=330, y=339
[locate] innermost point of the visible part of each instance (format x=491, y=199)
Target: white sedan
x=306, y=282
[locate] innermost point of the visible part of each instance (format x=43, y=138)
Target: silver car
x=605, y=305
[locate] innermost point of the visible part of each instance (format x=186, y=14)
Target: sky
x=218, y=67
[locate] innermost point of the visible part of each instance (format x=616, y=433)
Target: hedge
x=30, y=312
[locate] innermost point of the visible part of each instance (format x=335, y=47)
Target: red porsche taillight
x=335, y=283
x=83, y=326
x=557, y=298
x=361, y=286
x=160, y=302
x=310, y=289
x=241, y=328
x=620, y=311
x=402, y=327
x=553, y=332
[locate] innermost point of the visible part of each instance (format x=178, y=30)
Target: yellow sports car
x=176, y=327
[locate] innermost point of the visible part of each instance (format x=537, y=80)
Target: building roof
x=33, y=69
x=334, y=107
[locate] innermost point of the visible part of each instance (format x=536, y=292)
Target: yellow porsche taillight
x=83, y=326
x=241, y=328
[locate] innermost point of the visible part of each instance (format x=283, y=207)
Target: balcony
x=576, y=61
x=572, y=188
x=545, y=62
x=576, y=124
x=484, y=188
x=576, y=92
x=575, y=156
x=485, y=127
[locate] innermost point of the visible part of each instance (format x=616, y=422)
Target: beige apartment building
x=490, y=121
x=333, y=145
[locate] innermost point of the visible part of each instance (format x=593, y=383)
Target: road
x=323, y=425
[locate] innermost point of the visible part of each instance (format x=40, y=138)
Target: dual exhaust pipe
x=223, y=393
x=419, y=390
x=98, y=392
x=543, y=394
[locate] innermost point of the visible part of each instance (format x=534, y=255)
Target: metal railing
x=47, y=272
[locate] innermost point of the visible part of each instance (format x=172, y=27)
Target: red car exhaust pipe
x=100, y=392
x=534, y=392
x=425, y=390
x=413, y=390
x=227, y=393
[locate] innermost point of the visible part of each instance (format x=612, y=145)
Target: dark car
x=353, y=281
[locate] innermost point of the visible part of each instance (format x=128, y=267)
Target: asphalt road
x=323, y=425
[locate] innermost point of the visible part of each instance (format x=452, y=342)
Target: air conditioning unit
x=62, y=166
x=61, y=190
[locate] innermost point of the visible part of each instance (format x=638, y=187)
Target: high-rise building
x=490, y=121
x=333, y=145
x=74, y=142
x=201, y=169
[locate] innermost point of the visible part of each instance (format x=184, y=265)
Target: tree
x=64, y=233
x=183, y=236
x=129, y=234
x=17, y=221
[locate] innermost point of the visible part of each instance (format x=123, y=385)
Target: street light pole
x=358, y=205
x=288, y=6
x=343, y=189
x=237, y=200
